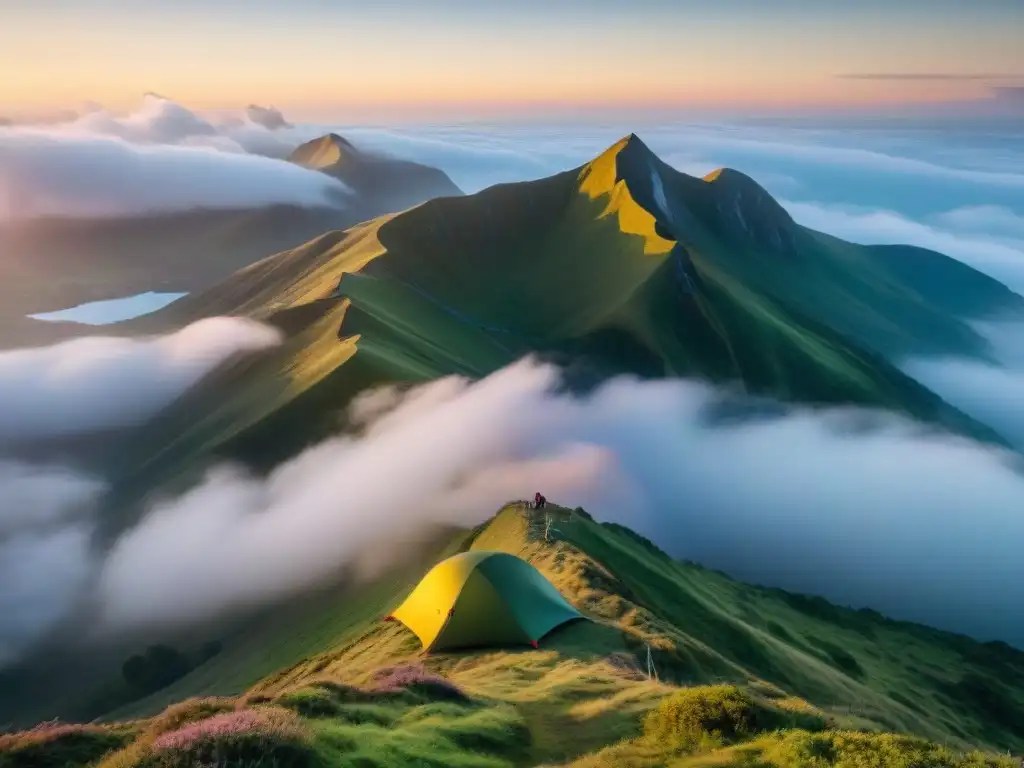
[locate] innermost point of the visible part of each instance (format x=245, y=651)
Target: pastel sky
x=319, y=57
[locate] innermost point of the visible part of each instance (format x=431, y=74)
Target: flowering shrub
x=54, y=744
x=416, y=677
x=268, y=736
x=188, y=711
x=271, y=723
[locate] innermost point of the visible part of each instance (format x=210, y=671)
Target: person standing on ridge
x=538, y=500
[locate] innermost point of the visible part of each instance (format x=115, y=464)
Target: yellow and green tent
x=481, y=598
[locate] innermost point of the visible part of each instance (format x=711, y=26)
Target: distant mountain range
x=623, y=265
x=55, y=262
x=381, y=183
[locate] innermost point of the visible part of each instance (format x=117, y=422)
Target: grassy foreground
x=738, y=676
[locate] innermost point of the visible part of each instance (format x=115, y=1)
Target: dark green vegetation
x=161, y=665
x=726, y=689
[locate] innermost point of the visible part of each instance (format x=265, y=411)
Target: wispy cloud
x=1010, y=94
x=998, y=257
x=97, y=383
x=909, y=76
x=45, y=563
x=162, y=157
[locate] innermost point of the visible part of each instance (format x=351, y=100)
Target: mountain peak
x=628, y=160
x=323, y=152
x=336, y=139
x=726, y=200
x=634, y=145
x=743, y=203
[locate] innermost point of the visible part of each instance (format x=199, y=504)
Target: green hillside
x=847, y=686
x=623, y=265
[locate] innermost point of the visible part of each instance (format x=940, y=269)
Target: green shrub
x=850, y=749
x=703, y=716
x=315, y=701
x=157, y=668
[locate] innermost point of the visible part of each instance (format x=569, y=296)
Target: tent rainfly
x=481, y=598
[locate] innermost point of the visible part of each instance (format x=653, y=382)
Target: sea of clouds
x=952, y=189
x=918, y=525
x=922, y=527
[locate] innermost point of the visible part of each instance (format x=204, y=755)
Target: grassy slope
x=54, y=263
x=583, y=691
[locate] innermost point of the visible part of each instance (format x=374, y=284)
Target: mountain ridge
x=574, y=268
x=656, y=628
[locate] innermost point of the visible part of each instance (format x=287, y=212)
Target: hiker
x=539, y=501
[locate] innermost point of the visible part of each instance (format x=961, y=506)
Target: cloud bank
x=45, y=564
x=49, y=512
x=268, y=117
x=161, y=158
x=922, y=174
x=98, y=383
x=918, y=525
x=989, y=393
x=43, y=174
x=922, y=527
x=917, y=76
x=975, y=236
